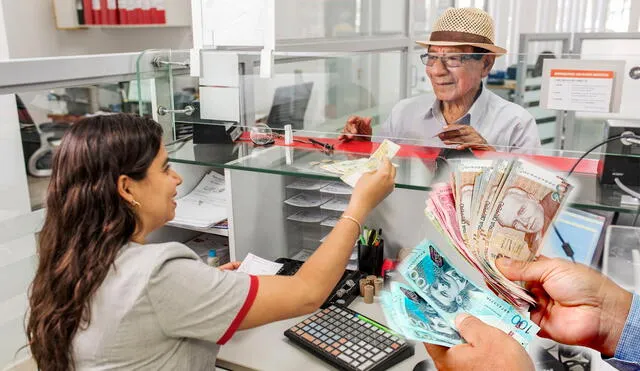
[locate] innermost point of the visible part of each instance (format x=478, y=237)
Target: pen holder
x=370, y=258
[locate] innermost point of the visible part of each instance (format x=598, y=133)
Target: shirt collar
x=472, y=117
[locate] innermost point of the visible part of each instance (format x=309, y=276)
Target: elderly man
x=460, y=53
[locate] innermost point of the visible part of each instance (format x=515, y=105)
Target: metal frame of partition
x=578, y=39
x=521, y=75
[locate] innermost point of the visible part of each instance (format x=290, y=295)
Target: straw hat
x=464, y=26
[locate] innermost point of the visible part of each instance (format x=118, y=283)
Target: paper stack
x=206, y=205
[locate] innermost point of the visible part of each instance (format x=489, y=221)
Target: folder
x=86, y=10
x=112, y=11
x=122, y=11
x=145, y=12
x=158, y=15
x=134, y=10
x=162, y=12
x=104, y=14
x=95, y=11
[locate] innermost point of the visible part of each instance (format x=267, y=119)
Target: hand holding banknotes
x=575, y=305
x=372, y=188
x=482, y=340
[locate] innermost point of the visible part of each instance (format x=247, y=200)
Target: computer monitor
x=289, y=106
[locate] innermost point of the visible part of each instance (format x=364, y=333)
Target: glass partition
x=317, y=93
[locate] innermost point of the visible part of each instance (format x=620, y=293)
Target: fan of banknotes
x=498, y=208
x=491, y=208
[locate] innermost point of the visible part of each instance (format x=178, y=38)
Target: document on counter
x=258, y=266
x=205, y=205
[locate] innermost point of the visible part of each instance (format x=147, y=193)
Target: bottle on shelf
x=212, y=259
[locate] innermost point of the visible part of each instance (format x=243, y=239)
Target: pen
x=324, y=145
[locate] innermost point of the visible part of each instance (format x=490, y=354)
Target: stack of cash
x=490, y=209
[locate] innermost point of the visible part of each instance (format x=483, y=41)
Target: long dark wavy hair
x=86, y=225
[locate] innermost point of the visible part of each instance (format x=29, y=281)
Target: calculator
x=350, y=341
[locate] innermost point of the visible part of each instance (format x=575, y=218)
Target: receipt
x=258, y=266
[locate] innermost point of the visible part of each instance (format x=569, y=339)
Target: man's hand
x=358, y=128
x=465, y=136
x=576, y=305
x=487, y=348
x=231, y=266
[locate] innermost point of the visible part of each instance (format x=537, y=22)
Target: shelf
x=210, y=230
x=414, y=171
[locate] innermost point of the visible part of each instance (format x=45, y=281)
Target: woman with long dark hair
x=103, y=299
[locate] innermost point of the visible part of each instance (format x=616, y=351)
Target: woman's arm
x=281, y=297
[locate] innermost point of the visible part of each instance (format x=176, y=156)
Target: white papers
x=307, y=216
x=336, y=204
x=305, y=200
x=580, y=90
x=330, y=222
x=258, y=266
x=206, y=205
x=307, y=184
x=337, y=188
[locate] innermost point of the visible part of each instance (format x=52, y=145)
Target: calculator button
x=349, y=344
x=367, y=325
x=342, y=348
x=323, y=345
x=345, y=358
x=362, y=359
x=316, y=341
x=375, y=350
x=395, y=345
x=362, y=351
x=362, y=343
x=365, y=365
x=342, y=341
x=299, y=332
x=335, y=352
x=329, y=349
x=368, y=347
x=378, y=357
x=348, y=352
x=355, y=347
x=388, y=350
x=355, y=363
x=308, y=337
x=368, y=354
x=380, y=332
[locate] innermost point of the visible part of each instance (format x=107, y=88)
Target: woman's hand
x=358, y=128
x=576, y=305
x=487, y=348
x=231, y=266
x=371, y=188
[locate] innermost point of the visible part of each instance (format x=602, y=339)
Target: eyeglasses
x=450, y=60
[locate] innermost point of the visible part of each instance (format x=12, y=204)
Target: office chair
x=49, y=134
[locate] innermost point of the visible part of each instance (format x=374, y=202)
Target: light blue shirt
x=627, y=355
x=505, y=125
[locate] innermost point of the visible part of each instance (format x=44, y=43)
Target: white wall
x=17, y=259
x=32, y=32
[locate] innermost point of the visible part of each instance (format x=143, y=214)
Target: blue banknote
x=398, y=321
x=417, y=315
x=450, y=293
